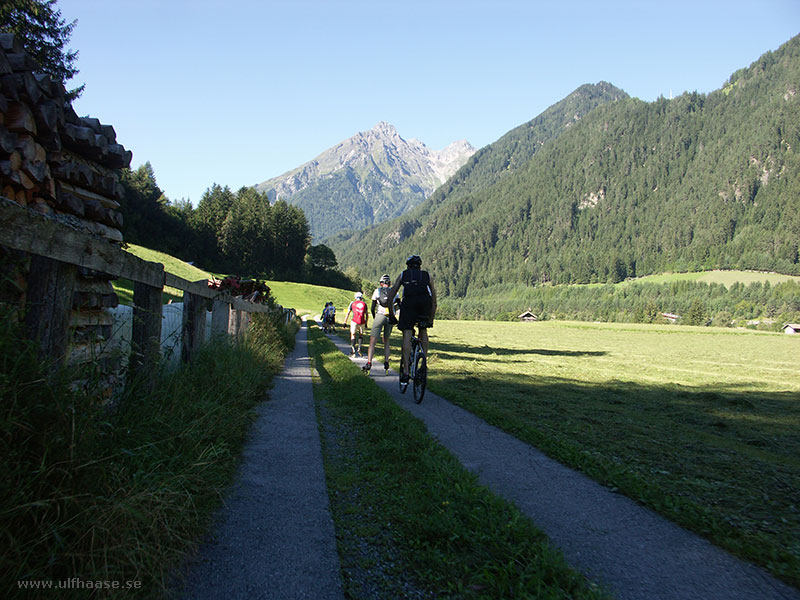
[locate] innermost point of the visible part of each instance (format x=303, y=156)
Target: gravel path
x=274, y=536
x=629, y=549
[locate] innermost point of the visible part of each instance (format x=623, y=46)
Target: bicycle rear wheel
x=420, y=374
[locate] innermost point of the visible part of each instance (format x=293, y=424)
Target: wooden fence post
x=51, y=290
x=244, y=325
x=146, y=331
x=194, y=324
x=234, y=323
x=220, y=315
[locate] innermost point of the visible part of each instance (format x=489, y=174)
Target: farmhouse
x=671, y=317
x=791, y=328
x=527, y=317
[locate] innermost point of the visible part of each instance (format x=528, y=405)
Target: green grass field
x=124, y=287
x=303, y=297
x=702, y=424
x=726, y=278
x=310, y=299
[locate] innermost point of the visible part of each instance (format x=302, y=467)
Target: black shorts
x=413, y=311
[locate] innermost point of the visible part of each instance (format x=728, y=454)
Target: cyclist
x=382, y=321
x=418, y=307
x=357, y=308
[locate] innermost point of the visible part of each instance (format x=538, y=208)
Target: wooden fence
x=59, y=250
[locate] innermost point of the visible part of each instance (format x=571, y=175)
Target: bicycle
x=418, y=369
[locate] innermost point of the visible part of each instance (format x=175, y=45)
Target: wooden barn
x=527, y=317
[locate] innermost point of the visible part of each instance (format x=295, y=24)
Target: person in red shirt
x=357, y=308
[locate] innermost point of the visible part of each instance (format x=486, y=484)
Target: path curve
x=629, y=549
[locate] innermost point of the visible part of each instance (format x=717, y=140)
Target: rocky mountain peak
x=377, y=171
x=385, y=129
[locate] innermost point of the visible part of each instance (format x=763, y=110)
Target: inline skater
x=357, y=308
x=382, y=322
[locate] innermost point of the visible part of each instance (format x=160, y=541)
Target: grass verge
x=699, y=424
x=411, y=522
x=123, y=495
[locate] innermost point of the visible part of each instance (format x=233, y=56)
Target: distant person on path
x=329, y=318
x=418, y=306
x=357, y=308
x=382, y=321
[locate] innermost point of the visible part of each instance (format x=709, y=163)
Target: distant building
x=672, y=318
x=791, y=328
x=527, y=317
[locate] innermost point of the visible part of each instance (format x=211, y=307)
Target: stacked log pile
x=66, y=167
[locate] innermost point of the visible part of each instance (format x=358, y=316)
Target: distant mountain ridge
x=485, y=168
x=371, y=177
x=629, y=188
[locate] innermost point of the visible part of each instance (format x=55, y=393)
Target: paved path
x=274, y=536
x=629, y=549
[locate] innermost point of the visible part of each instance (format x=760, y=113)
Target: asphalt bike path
x=274, y=536
x=627, y=548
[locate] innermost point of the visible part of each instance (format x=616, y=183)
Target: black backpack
x=383, y=296
x=415, y=283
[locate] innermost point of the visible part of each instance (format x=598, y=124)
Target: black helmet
x=413, y=261
x=386, y=279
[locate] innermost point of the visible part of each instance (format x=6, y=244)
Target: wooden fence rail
x=62, y=248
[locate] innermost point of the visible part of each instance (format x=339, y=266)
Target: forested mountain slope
x=483, y=169
x=632, y=188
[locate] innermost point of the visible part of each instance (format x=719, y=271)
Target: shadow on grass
x=449, y=348
x=773, y=415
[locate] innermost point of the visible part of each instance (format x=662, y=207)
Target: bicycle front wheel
x=420, y=375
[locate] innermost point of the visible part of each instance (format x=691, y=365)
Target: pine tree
x=44, y=34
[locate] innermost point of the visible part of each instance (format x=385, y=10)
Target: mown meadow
x=701, y=424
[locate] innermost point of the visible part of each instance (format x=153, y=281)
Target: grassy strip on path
x=700, y=424
x=411, y=522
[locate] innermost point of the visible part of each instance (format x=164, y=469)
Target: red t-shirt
x=359, y=308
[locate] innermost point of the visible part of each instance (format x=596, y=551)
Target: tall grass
x=120, y=495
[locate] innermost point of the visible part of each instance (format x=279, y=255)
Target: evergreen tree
x=38, y=25
x=207, y=221
x=151, y=220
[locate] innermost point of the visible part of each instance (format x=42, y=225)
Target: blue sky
x=236, y=92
